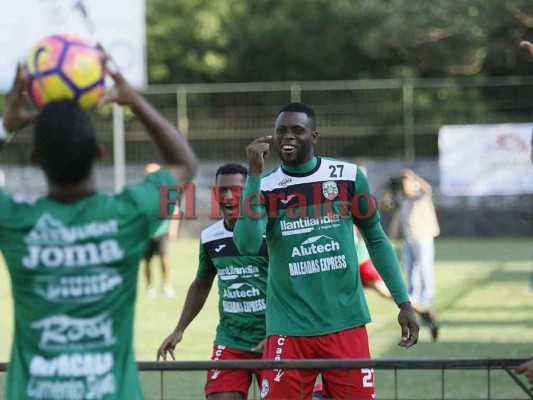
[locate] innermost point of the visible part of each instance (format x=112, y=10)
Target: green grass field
x=484, y=306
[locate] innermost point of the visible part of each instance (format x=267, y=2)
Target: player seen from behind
x=73, y=255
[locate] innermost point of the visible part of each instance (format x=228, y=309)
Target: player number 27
x=334, y=168
x=367, y=377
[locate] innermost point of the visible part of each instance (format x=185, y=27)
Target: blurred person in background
x=158, y=245
x=73, y=255
x=527, y=367
x=412, y=196
x=242, y=284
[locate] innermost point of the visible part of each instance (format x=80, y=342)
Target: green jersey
x=242, y=282
x=360, y=247
x=73, y=269
x=314, y=286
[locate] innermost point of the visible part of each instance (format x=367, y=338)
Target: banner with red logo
x=483, y=160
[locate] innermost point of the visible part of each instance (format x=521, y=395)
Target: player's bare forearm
x=384, y=259
x=172, y=146
x=194, y=302
x=17, y=114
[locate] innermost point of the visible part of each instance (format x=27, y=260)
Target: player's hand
x=122, y=93
x=527, y=46
x=17, y=114
x=168, y=346
x=526, y=369
x=260, y=346
x=257, y=151
x=409, y=325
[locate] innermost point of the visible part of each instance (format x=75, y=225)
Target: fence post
x=296, y=92
x=183, y=119
x=119, y=148
x=408, y=121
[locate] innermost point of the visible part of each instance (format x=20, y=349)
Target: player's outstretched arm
x=174, y=149
x=17, y=114
x=194, y=302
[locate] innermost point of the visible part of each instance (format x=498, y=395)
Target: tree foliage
x=269, y=40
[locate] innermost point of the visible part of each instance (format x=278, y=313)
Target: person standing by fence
x=419, y=227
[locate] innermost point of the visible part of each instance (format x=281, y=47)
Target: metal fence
x=398, y=379
x=375, y=118
x=388, y=123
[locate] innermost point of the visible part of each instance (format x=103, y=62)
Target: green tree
x=267, y=40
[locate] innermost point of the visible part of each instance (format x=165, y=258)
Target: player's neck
x=229, y=223
x=302, y=168
x=72, y=193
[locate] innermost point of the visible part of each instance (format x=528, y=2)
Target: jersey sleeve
x=6, y=204
x=384, y=259
x=364, y=208
x=360, y=247
x=206, y=268
x=149, y=198
x=250, y=227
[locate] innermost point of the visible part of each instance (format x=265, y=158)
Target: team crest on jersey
x=265, y=388
x=330, y=190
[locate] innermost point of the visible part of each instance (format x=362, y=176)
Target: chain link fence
x=388, y=123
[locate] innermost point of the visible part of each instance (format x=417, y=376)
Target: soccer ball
x=65, y=67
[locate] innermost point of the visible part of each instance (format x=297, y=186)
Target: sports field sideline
x=483, y=302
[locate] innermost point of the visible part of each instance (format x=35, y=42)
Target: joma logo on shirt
x=81, y=255
x=308, y=247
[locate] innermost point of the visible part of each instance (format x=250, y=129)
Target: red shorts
x=368, y=272
x=337, y=383
x=226, y=380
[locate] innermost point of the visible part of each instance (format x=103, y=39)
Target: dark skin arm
x=17, y=114
x=194, y=302
x=174, y=149
x=409, y=326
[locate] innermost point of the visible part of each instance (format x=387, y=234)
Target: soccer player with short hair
x=73, y=255
x=242, y=293
x=315, y=302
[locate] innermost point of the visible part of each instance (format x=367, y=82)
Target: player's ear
x=99, y=151
x=34, y=158
x=315, y=137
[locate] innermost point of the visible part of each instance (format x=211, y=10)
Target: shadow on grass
x=478, y=250
x=498, y=274
x=486, y=323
